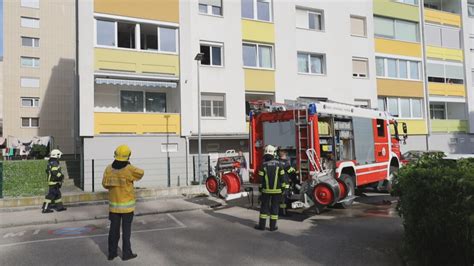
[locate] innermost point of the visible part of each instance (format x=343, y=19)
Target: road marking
x=181, y=226
x=36, y=231
x=176, y=220
x=14, y=234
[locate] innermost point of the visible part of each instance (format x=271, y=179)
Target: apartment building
x=39, y=74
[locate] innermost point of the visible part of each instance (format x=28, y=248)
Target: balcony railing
x=448, y=125
x=446, y=89
x=136, y=123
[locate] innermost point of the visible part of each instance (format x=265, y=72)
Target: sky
x=1, y=27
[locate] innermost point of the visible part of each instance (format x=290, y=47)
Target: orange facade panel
x=400, y=88
x=162, y=10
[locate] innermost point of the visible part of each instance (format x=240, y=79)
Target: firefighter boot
x=45, y=208
x=273, y=225
x=261, y=224
x=60, y=207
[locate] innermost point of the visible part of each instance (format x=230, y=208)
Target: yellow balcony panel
x=449, y=125
x=259, y=80
x=395, y=47
x=136, y=123
x=400, y=88
x=390, y=8
x=444, y=53
x=442, y=17
x=414, y=127
x=136, y=61
x=162, y=10
x=258, y=31
x=446, y=89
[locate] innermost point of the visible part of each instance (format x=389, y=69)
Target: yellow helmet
x=122, y=153
x=270, y=150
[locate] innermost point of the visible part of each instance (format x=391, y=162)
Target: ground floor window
x=140, y=101
x=30, y=122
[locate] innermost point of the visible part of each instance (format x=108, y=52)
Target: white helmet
x=270, y=150
x=55, y=154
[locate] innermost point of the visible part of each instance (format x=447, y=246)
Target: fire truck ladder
x=304, y=141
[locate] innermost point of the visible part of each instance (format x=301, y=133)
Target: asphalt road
x=367, y=234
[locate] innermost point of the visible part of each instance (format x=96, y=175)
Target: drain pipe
x=425, y=76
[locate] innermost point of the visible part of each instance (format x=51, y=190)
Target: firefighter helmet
x=55, y=154
x=122, y=153
x=270, y=150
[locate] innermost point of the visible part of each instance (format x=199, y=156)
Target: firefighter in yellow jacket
x=118, y=179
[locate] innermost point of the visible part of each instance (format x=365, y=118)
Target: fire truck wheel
x=212, y=185
x=347, y=179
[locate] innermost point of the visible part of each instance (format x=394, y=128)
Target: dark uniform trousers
x=270, y=206
x=114, y=234
x=54, y=195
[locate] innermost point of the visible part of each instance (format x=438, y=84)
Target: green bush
x=437, y=207
x=39, y=151
x=24, y=178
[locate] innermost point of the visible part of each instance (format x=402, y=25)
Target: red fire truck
x=334, y=147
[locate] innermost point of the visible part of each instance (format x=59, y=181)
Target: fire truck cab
x=335, y=149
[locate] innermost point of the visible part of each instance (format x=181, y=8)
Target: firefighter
x=290, y=173
x=118, y=179
x=272, y=180
x=55, y=179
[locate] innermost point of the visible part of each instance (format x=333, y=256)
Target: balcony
x=415, y=127
x=258, y=31
x=136, y=123
x=395, y=47
x=444, y=53
x=398, y=87
x=259, y=80
x=449, y=125
x=132, y=61
x=390, y=8
x=442, y=17
x=446, y=89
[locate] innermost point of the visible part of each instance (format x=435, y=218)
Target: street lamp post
x=198, y=59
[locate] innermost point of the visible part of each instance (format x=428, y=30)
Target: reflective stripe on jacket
x=120, y=185
x=272, y=177
x=53, y=170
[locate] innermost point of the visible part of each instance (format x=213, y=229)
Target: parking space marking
x=178, y=222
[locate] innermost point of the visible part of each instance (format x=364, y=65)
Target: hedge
x=24, y=178
x=436, y=203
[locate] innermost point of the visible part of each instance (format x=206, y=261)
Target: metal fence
x=159, y=171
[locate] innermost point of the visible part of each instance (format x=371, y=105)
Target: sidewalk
x=90, y=212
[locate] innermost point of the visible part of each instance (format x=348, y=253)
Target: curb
x=151, y=193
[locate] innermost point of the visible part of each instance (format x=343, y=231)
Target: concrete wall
x=146, y=154
x=56, y=72
x=335, y=41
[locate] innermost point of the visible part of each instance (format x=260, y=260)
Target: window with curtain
x=403, y=69
x=392, y=68
x=311, y=63
x=380, y=66
x=212, y=105
x=358, y=26
x=210, y=7
x=155, y=102
x=433, y=35
x=310, y=19
x=360, y=67
x=396, y=29
x=257, y=9
x=397, y=68
x=438, y=111
x=131, y=101
x=445, y=73
x=402, y=107
x=384, y=27
x=450, y=38
x=257, y=55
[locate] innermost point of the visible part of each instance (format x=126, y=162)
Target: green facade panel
x=393, y=9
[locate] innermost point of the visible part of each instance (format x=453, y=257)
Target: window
x=155, y=102
x=411, y=2
x=126, y=35
x=212, y=105
x=397, y=68
x=139, y=101
x=131, y=101
x=212, y=54
x=438, y=111
x=402, y=107
x=311, y=63
x=446, y=37
x=30, y=3
x=123, y=35
x=257, y=9
x=30, y=122
x=257, y=55
x=380, y=128
x=27, y=82
x=309, y=19
x=210, y=7
x=29, y=102
x=358, y=26
x=470, y=10
x=29, y=42
x=29, y=61
x=360, y=67
x=396, y=29
x=445, y=73
x=30, y=22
